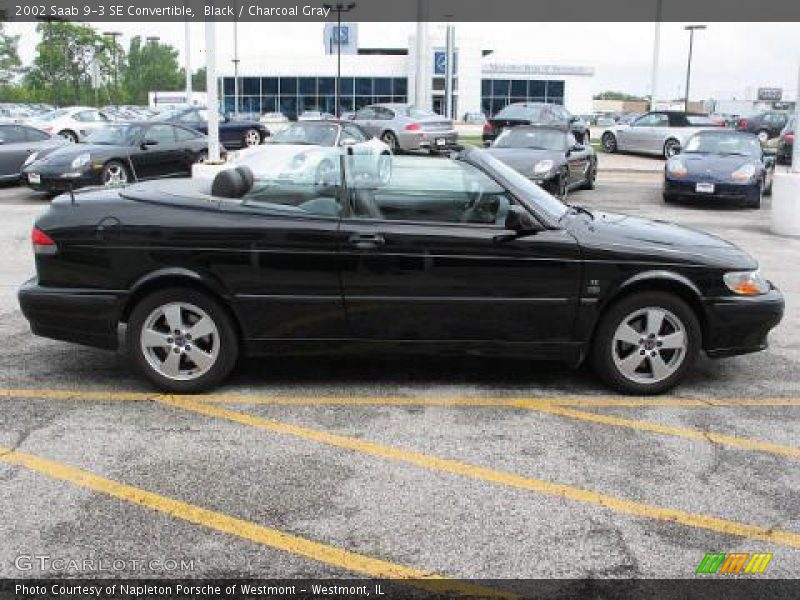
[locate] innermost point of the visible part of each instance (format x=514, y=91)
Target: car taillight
x=413, y=127
x=488, y=128
x=42, y=243
x=789, y=137
x=47, y=128
x=742, y=123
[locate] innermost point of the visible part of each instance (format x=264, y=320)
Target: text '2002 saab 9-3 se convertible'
x=459, y=254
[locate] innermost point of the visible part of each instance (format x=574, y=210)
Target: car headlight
x=31, y=157
x=676, y=167
x=542, y=167
x=746, y=283
x=81, y=161
x=744, y=173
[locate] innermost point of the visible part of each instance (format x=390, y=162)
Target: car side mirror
x=520, y=222
x=348, y=142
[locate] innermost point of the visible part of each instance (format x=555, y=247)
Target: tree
x=67, y=56
x=614, y=95
x=9, y=56
x=199, y=80
x=150, y=66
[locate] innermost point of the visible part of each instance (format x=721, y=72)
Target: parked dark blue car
x=720, y=165
x=232, y=133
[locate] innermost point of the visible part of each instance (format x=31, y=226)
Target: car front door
x=421, y=261
x=158, y=153
x=637, y=138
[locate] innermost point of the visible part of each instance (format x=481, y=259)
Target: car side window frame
x=350, y=212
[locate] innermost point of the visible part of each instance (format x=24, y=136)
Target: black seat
x=232, y=183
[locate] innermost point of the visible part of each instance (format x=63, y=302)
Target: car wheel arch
x=177, y=277
x=655, y=281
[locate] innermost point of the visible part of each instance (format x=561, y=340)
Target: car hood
x=523, y=159
x=610, y=235
x=64, y=155
x=714, y=164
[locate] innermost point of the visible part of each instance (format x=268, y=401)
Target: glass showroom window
x=496, y=94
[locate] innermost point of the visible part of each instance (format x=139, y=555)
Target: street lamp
x=114, y=35
x=691, y=29
x=154, y=39
x=339, y=8
x=235, y=62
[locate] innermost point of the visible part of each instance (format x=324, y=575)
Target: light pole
x=691, y=29
x=656, y=50
x=339, y=8
x=154, y=39
x=114, y=35
x=235, y=62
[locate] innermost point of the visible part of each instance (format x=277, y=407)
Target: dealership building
x=482, y=81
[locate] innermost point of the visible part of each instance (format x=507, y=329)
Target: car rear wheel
x=251, y=138
x=182, y=340
x=70, y=136
x=562, y=190
x=671, y=148
x=390, y=139
x=201, y=157
x=646, y=343
x=115, y=173
x=763, y=135
x=609, y=142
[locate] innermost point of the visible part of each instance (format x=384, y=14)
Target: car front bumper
x=749, y=191
x=52, y=179
x=82, y=316
x=740, y=324
x=428, y=140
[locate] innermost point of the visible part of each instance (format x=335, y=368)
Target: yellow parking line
x=650, y=427
x=630, y=507
x=330, y=555
x=443, y=401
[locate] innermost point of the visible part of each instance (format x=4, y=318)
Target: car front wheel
x=646, y=343
x=251, y=138
x=671, y=148
x=182, y=340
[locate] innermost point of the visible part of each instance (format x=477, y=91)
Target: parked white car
x=662, y=133
x=73, y=124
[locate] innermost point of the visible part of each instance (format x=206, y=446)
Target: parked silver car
x=19, y=145
x=662, y=133
x=406, y=127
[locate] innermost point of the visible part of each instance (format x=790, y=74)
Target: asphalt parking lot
x=330, y=467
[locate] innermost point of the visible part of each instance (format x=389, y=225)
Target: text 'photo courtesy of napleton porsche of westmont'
x=403, y=300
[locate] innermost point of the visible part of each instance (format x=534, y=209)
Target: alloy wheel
x=390, y=140
x=609, y=142
x=115, y=174
x=649, y=345
x=180, y=341
x=252, y=138
x=671, y=148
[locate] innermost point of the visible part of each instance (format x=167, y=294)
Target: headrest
x=232, y=183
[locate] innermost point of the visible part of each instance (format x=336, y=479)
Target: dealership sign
x=498, y=68
x=770, y=94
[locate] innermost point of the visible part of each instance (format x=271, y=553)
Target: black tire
x=671, y=148
x=390, y=139
x=669, y=198
x=609, y=142
x=604, y=345
x=69, y=135
x=562, y=191
x=115, y=170
x=591, y=177
x=228, y=343
x=768, y=189
x=201, y=156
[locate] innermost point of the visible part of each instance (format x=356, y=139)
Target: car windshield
x=533, y=193
x=723, y=143
x=513, y=111
x=115, y=135
x=540, y=139
x=318, y=134
x=53, y=115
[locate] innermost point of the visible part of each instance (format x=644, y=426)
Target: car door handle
x=366, y=241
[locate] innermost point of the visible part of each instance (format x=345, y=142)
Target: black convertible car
x=117, y=154
x=550, y=156
x=720, y=165
x=232, y=133
x=461, y=254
